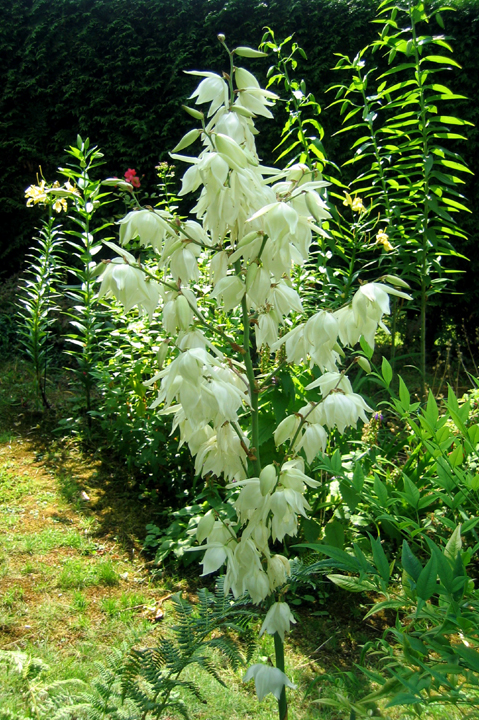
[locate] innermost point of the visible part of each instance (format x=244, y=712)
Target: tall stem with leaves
x=38, y=301
x=85, y=317
x=407, y=172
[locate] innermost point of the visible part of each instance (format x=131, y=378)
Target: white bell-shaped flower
x=267, y=680
x=231, y=290
x=149, y=225
x=278, y=620
x=212, y=89
x=128, y=285
x=279, y=569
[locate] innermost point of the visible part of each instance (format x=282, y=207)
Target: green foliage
x=85, y=321
x=147, y=683
x=42, y=696
x=301, y=136
x=416, y=484
x=406, y=171
x=38, y=302
x=431, y=654
x=141, y=437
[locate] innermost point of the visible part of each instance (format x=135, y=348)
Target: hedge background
x=112, y=70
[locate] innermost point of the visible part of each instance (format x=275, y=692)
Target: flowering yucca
x=254, y=228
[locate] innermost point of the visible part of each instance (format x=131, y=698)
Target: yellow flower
x=383, y=239
x=36, y=194
x=356, y=204
x=60, y=204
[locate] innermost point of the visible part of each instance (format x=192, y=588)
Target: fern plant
x=147, y=683
x=41, y=696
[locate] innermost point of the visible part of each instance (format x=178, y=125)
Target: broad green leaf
x=410, y=562
x=349, y=495
x=456, y=457
x=336, y=463
x=427, y=581
x=351, y=584
x=440, y=59
x=334, y=534
x=380, y=559
x=384, y=605
x=404, y=699
x=469, y=656
x=454, y=545
x=386, y=371
x=404, y=394
x=311, y=530
x=450, y=120
x=469, y=525
x=358, y=477
x=340, y=556
x=473, y=433
x=381, y=491
x=411, y=492
x=367, y=349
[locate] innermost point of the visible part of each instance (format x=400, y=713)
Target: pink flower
x=131, y=177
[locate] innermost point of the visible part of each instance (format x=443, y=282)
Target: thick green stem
x=279, y=657
x=252, y=388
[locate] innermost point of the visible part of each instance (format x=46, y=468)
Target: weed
x=79, y=601
x=74, y=574
x=109, y=606
x=12, y=596
x=107, y=574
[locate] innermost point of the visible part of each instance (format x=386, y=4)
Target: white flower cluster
x=253, y=225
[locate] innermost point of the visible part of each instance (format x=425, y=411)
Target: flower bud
x=221, y=37
x=363, y=363
x=396, y=281
x=267, y=479
x=248, y=238
x=187, y=140
x=249, y=52
x=116, y=182
x=197, y=114
x=183, y=312
x=286, y=429
x=162, y=353
x=231, y=150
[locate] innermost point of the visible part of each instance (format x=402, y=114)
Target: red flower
x=131, y=177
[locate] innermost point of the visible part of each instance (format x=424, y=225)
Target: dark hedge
x=112, y=70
